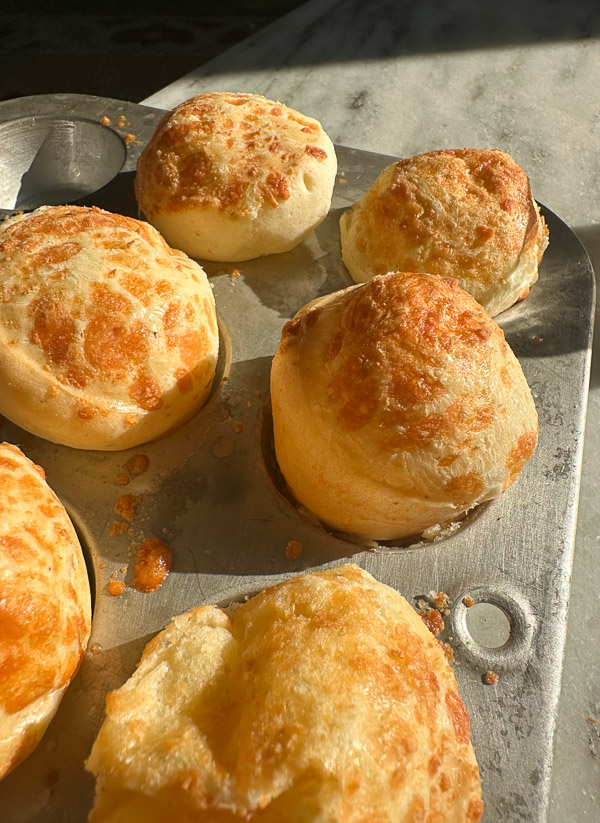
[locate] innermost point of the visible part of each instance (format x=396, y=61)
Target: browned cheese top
x=44, y=592
x=467, y=211
x=236, y=152
x=101, y=303
x=408, y=373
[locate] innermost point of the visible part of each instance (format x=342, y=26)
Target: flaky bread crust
x=398, y=405
x=45, y=610
x=108, y=338
x=463, y=213
x=321, y=700
x=234, y=176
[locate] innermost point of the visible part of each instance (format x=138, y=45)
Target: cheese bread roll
x=108, y=338
x=45, y=610
x=235, y=176
x=324, y=699
x=398, y=405
x=465, y=213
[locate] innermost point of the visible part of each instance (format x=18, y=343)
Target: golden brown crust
x=44, y=605
x=107, y=336
x=464, y=213
x=397, y=405
x=324, y=698
x=254, y=172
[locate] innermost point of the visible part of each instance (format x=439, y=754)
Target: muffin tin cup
x=213, y=493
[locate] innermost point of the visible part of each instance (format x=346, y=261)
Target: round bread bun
x=234, y=176
x=398, y=405
x=45, y=610
x=108, y=338
x=465, y=213
x=322, y=699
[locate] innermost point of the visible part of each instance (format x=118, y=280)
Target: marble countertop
x=402, y=78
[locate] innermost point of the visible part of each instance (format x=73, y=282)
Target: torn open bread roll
x=322, y=699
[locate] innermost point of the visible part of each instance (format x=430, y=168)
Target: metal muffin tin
x=213, y=493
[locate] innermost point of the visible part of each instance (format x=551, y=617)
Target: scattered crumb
x=592, y=720
x=234, y=274
x=342, y=180
x=122, y=479
x=433, y=620
x=440, y=531
x=118, y=527
x=152, y=564
x=422, y=604
x=439, y=599
x=126, y=505
x=448, y=651
x=258, y=393
x=113, y=575
x=468, y=601
x=237, y=426
x=433, y=532
x=129, y=137
x=537, y=339
x=137, y=464
x=105, y=121
x=490, y=678
x=293, y=549
x=101, y=565
x=138, y=538
x=123, y=569
x=249, y=404
x=116, y=587
x=95, y=648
